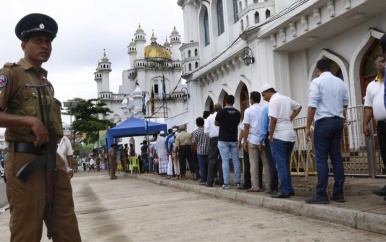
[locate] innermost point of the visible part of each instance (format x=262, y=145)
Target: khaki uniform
x=27, y=200
x=112, y=159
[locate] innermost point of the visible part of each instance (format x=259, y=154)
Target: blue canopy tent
x=134, y=127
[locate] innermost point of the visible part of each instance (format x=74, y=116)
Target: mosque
x=236, y=46
x=152, y=87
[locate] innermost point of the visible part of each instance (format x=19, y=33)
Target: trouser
x=91, y=168
x=215, y=163
x=271, y=166
x=281, y=152
x=184, y=153
x=327, y=138
x=27, y=202
x=194, y=166
x=381, y=134
x=247, y=169
x=203, y=163
x=145, y=164
x=258, y=161
x=176, y=164
x=113, y=166
x=126, y=164
x=230, y=148
x=151, y=164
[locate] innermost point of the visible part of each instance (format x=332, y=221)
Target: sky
x=86, y=28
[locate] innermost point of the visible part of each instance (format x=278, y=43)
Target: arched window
x=220, y=18
x=240, y=5
x=206, y=28
x=255, y=1
x=196, y=65
x=246, y=3
x=247, y=22
x=257, y=17
x=190, y=67
x=189, y=53
x=235, y=11
x=267, y=14
x=242, y=25
x=195, y=52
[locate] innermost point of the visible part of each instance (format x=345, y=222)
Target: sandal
x=253, y=190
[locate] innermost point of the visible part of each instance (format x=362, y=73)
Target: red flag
x=152, y=101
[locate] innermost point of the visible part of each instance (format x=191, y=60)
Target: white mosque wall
x=282, y=4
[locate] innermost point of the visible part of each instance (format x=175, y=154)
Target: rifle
x=47, y=158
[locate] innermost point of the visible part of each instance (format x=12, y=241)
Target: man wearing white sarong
x=162, y=153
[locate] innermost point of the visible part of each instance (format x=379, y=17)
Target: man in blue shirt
x=265, y=146
x=328, y=97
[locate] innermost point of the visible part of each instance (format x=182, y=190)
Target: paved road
x=128, y=209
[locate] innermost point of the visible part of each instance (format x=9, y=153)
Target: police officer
x=25, y=132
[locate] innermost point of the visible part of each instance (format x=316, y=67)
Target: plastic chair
x=134, y=163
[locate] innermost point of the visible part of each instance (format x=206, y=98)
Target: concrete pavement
x=104, y=206
x=362, y=210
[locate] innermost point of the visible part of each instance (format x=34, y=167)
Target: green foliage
x=86, y=118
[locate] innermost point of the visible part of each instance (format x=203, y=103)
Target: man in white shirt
x=251, y=141
x=375, y=106
x=215, y=162
x=65, y=151
x=282, y=110
x=92, y=163
x=327, y=100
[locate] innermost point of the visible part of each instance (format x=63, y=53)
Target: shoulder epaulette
x=9, y=65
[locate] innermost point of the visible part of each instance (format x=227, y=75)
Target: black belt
x=30, y=148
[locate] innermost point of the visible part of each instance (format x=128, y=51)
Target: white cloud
x=86, y=27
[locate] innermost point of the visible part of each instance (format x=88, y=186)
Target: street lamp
x=70, y=105
x=185, y=94
x=248, y=56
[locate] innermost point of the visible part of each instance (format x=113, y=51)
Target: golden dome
x=157, y=52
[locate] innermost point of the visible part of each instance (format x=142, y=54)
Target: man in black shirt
x=228, y=120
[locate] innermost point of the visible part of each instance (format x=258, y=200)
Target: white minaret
x=132, y=51
x=167, y=45
x=137, y=96
x=190, y=9
x=98, y=79
x=140, y=40
x=175, y=41
x=105, y=69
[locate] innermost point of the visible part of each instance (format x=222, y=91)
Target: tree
x=86, y=118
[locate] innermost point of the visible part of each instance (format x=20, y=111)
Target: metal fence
x=360, y=154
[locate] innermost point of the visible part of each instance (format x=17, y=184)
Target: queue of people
x=267, y=138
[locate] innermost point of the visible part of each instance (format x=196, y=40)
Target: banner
x=102, y=138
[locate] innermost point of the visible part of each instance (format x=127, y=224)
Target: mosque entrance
x=368, y=71
x=244, y=100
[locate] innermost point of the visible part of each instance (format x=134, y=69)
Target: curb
x=348, y=217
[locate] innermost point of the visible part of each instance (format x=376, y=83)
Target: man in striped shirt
x=200, y=143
